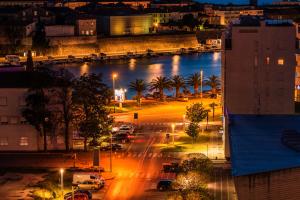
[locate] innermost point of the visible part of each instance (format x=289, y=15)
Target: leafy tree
x=196, y=112
x=62, y=96
x=213, y=105
x=39, y=41
x=29, y=62
x=160, y=83
x=214, y=83
x=194, y=80
x=37, y=112
x=139, y=86
x=189, y=20
x=193, y=131
x=178, y=82
x=90, y=96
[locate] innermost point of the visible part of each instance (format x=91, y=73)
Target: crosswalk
x=147, y=155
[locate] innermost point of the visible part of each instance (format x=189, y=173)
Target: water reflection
x=84, y=68
x=132, y=64
x=175, y=64
x=154, y=70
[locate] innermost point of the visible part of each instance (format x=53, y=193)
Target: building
x=23, y=3
x=230, y=14
x=16, y=134
x=297, y=81
x=265, y=156
x=86, y=26
x=59, y=30
x=171, y=3
x=136, y=4
x=259, y=55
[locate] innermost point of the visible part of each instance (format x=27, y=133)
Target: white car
x=126, y=129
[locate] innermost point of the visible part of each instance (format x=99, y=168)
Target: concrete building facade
x=258, y=69
x=229, y=15
x=86, y=27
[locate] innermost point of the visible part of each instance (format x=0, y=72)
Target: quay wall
x=120, y=45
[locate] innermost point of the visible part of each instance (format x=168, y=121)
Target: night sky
x=236, y=1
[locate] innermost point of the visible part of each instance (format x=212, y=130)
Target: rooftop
x=256, y=143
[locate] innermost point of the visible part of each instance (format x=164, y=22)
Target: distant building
x=258, y=68
x=171, y=3
x=136, y=4
x=23, y=3
x=230, y=14
x=16, y=134
x=86, y=26
x=59, y=30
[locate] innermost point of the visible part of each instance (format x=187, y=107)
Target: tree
x=63, y=98
x=196, y=112
x=39, y=41
x=213, y=105
x=177, y=83
x=214, y=83
x=194, y=80
x=29, y=62
x=193, y=131
x=90, y=96
x=37, y=113
x=139, y=86
x=160, y=83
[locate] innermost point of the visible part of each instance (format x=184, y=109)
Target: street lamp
x=114, y=76
x=173, y=129
x=201, y=83
x=62, y=182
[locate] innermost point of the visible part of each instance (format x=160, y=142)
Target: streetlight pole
x=62, y=182
x=110, y=152
x=173, y=128
x=201, y=83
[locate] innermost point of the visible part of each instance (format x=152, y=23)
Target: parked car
x=164, y=185
x=88, y=193
x=124, y=137
x=78, y=196
x=126, y=129
x=90, y=185
x=88, y=180
x=115, y=147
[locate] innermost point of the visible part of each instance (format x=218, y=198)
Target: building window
x=13, y=120
x=35, y=13
x=3, y=141
x=92, y=32
x=268, y=60
x=23, y=141
x=82, y=32
x=4, y=120
x=22, y=101
x=3, y=101
x=87, y=32
x=280, y=61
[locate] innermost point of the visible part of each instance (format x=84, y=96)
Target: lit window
x=92, y=32
x=23, y=141
x=35, y=13
x=87, y=32
x=3, y=141
x=268, y=60
x=82, y=32
x=280, y=61
x=3, y=101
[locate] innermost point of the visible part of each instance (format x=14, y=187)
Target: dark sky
x=236, y=1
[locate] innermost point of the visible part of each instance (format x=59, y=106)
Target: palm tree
x=214, y=83
x=160, y=83
x=213, y=105
x=177, y=83
x=139, y=86
x=194, y=80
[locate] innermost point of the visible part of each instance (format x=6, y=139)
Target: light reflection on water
x=149, y=68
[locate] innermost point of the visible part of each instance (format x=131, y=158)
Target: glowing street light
x=62, y=181
x=114, y=76
x=173, y=129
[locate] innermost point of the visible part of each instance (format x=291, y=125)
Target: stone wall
x=276, y=185
x=84, y=45
x=118, y=45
